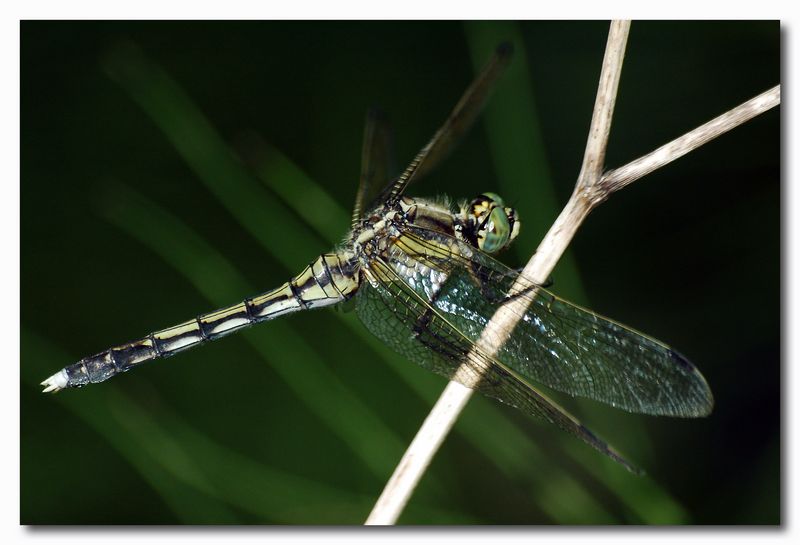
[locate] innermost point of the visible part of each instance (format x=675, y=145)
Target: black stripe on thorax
x=437, y=224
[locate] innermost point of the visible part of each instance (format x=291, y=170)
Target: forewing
x=377, y=160
x=467, y=110
x=401, y=316
x=556, y=343
x=455, y=126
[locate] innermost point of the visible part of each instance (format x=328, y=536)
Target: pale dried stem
x=596, y=143
x=590, y=190
x=616, y=179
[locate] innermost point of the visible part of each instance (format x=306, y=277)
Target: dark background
x=172, y=168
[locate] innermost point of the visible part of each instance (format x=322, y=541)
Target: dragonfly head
x=493, y=225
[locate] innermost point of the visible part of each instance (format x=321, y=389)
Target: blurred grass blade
x=319, y=210
x=247, y=484
x=209, y=157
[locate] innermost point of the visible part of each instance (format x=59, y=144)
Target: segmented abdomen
x=328, y=280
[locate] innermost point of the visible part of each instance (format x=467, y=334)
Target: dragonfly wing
x=467, y=110
x=377, y=160
x=556, y=343
x=455, y=126
x=403, y=318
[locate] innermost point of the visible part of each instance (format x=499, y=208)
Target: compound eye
x=495, y=233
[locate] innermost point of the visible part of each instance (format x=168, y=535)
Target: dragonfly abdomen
x=326, y=281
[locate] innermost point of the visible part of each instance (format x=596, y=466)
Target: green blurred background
x=171, y=168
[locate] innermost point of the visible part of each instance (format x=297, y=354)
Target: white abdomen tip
x=56, y=382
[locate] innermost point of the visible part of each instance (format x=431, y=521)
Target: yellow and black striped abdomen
x=330, y=279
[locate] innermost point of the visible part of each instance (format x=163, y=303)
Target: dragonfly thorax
x=375, y=232
x=485, y=222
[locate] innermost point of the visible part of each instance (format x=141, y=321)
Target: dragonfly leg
x=494, y=291
x=546, y=284
x=424, y=321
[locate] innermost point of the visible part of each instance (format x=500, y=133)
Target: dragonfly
x=424, y=280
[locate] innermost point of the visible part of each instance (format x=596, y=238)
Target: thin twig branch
x=616, y=179
x=597, y=142
x=590, y=190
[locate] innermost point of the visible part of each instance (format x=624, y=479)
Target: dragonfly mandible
x=424, y=281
